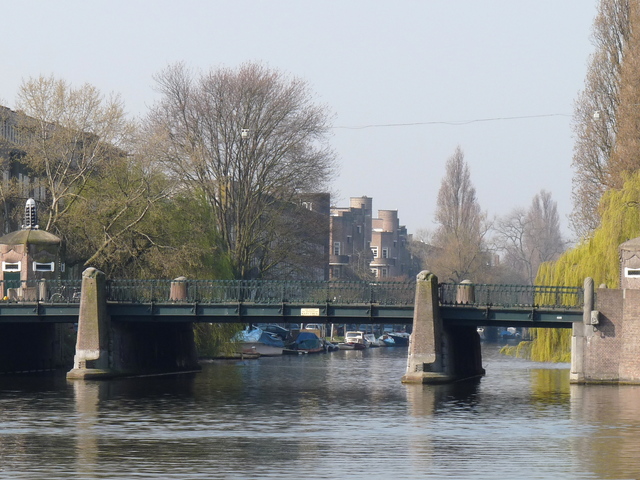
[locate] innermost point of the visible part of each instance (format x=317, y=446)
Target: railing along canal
x=512, y=296
x=265, y=292
x=301, y=292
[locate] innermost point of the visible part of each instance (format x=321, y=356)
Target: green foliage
x=596, y=257
x=522, y=350
x=214, y=339
x=190, y=244
x=550, y=345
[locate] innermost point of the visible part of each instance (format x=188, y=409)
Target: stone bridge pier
x=107, y=348
x=440, y=353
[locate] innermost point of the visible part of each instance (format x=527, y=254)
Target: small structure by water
x=26, y=256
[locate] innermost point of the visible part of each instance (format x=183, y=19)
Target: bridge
x=135, y=326
x=132, y=327
x=270, y=301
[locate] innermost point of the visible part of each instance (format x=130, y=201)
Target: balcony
x=338, y=259
x=383, y=262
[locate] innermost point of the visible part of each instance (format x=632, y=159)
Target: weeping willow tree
x=607, y=165
x=215, y=339
x=597, y=257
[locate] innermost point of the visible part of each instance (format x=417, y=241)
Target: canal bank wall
x=606, y=346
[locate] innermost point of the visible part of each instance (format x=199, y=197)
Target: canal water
x=338, y=415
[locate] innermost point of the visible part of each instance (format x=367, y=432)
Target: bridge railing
x=264, y=291
x=519, y=296
x=41, y=290
x=302, y=292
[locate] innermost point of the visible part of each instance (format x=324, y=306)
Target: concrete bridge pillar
x=426, y=349
x=91, y=359
x=438, y=354
x=581, y=332
x=107, y=348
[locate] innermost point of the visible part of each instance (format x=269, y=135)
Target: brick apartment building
x=363, y=246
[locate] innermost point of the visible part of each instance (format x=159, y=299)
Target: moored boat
x=304, y=342
x=331, y=347
x=351, y=346
x=357, y=337
x=372, y=340
x=257, y=341
x=400, y=339
x=386, y=341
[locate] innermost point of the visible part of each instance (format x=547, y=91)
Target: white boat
x=357, y=337
x=371, y=338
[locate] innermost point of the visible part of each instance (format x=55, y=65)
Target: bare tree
x=251, y=139
x=595, y=115
x=625, y=157
x=530, y=237
x=458, y=243
x=67, y=134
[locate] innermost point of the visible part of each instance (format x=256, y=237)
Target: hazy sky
x=496, y=77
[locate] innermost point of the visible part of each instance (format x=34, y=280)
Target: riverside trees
x=467, y=246
x=596, y=113
x=94, y=187
x=249, y=140
x=528, y=238
x=234, y=148
x=459, y=251
x=608, y=141
x=68, y=135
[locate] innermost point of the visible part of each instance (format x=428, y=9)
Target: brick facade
x=363, y=246
x=609, y=351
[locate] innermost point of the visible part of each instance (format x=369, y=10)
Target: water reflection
x=320, y=416
x=87, y=397
x=609, y=417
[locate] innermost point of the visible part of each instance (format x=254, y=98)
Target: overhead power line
x=454, y=123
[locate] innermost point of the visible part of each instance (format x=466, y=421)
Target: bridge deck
x=295, y=302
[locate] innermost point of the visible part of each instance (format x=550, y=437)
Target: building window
x=348, y=239
x=43, y=267
x=11, y=267
x=336, y=248
x=374, y=251
x=375, y=272
x=384, y=273
x=385, y=253
x=359, y=228
x=631, y=272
